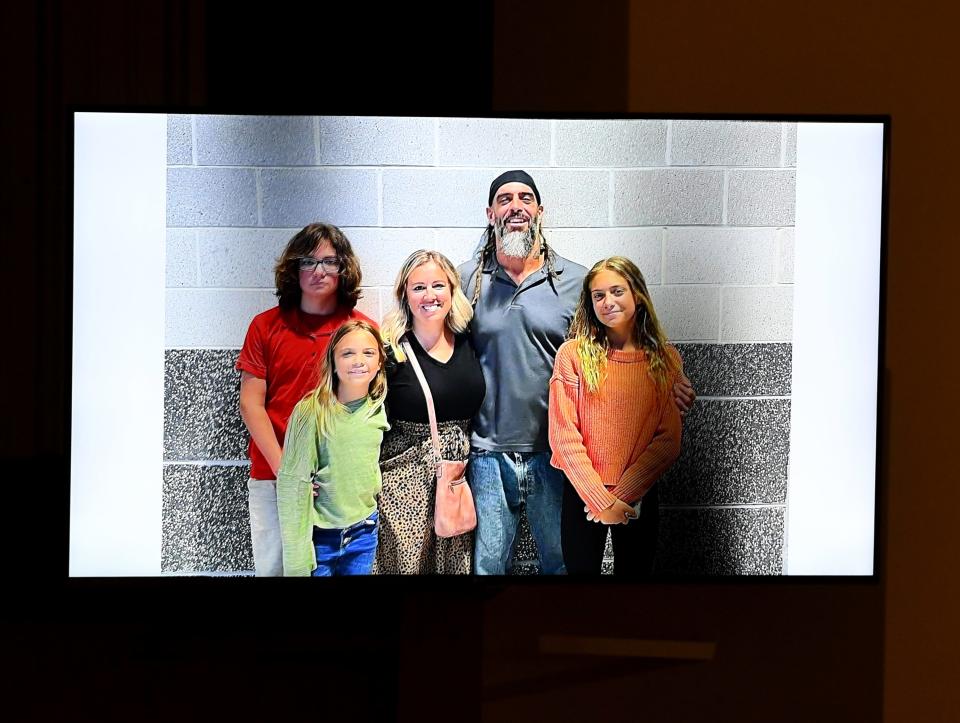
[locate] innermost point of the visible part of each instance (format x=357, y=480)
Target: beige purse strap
x=431, y=412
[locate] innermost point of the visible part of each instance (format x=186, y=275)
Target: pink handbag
x=453, y=510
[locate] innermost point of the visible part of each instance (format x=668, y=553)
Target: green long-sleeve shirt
x=346, y=467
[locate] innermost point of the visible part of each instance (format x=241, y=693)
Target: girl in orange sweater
x=614, y=428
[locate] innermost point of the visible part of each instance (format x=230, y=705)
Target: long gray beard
x=517, y=244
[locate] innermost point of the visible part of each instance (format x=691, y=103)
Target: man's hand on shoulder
x=683, y=394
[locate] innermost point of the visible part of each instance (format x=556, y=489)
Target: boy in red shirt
x=318, y=284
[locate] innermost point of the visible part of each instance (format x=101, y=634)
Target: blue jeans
x=349, y=551
x=502, y=482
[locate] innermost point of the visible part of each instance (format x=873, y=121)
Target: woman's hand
x=619, y=513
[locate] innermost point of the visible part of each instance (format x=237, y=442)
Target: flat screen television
x=761, y=240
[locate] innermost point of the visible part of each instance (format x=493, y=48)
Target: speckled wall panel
x=720, y=541
x=734, y=452
x=738, y=370
x=206, y=523
x=201, y=418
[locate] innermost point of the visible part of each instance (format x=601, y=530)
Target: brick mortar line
x=756, y=398
x=193, y=140
x=201, y=348
x=740, y=343
x=424, y=167
x=259, y=182
x=209, y=573
x=668, y=143
x=207, y=462
x=663, y=256
x=711, y=285
x=747, y=506
x=630, y=227
x=675, y=341
x=783, y=144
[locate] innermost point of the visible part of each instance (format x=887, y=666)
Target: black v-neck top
x=457, y=385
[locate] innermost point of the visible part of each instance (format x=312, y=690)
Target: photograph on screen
x=738, y=251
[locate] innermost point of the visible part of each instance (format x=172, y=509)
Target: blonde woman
x=614, y=427
x=333, y=444
x=432, y=314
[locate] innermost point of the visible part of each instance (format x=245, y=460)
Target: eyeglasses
x=331, y=264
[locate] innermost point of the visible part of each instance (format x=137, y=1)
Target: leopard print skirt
x=407, y=544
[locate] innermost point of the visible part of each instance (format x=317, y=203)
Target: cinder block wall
x=705, y=208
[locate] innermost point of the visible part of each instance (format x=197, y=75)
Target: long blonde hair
x=322, y=401
x=591, y=334
x=400, y=319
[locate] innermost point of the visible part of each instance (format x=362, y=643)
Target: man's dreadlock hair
x=488, y=250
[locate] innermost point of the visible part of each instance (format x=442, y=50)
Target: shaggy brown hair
x=287, y=270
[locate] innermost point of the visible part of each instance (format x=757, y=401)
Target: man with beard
x=524, y=295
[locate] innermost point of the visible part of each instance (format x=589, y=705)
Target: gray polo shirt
x=516, y=332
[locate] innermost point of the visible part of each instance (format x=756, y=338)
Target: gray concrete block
x=571, y=197
x=382, y=251
x=790, y=151
x=294, y=197
x=236, y=140
x=201, y=400
x=727, y=541
x=206, y=521
x=757, y=314
x=611, y=143
x=688, y=313
x=588, y=245
x=738, y=370
x=179, y=140
x=387, y=302
x=761, y=198
x=435, y=197
x=512, y=143
x=211, y=197
x=212, y=318
x=785, y=237
x=724, y=143
x=733, y=453
x=181, y=261
x=458, y=244
x=667, y=196
x=240, y=258
x=353, y=141
x=720, y=256
x=369, y=303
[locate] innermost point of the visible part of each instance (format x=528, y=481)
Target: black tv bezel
x=95, y=594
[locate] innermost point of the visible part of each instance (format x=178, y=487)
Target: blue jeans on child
x=347, y=551
x=501, y=482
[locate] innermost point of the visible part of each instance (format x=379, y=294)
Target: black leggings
x=634, y=544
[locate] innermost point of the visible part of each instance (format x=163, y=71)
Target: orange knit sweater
x=616, y=442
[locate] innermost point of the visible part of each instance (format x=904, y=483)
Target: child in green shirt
x=333, y=439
